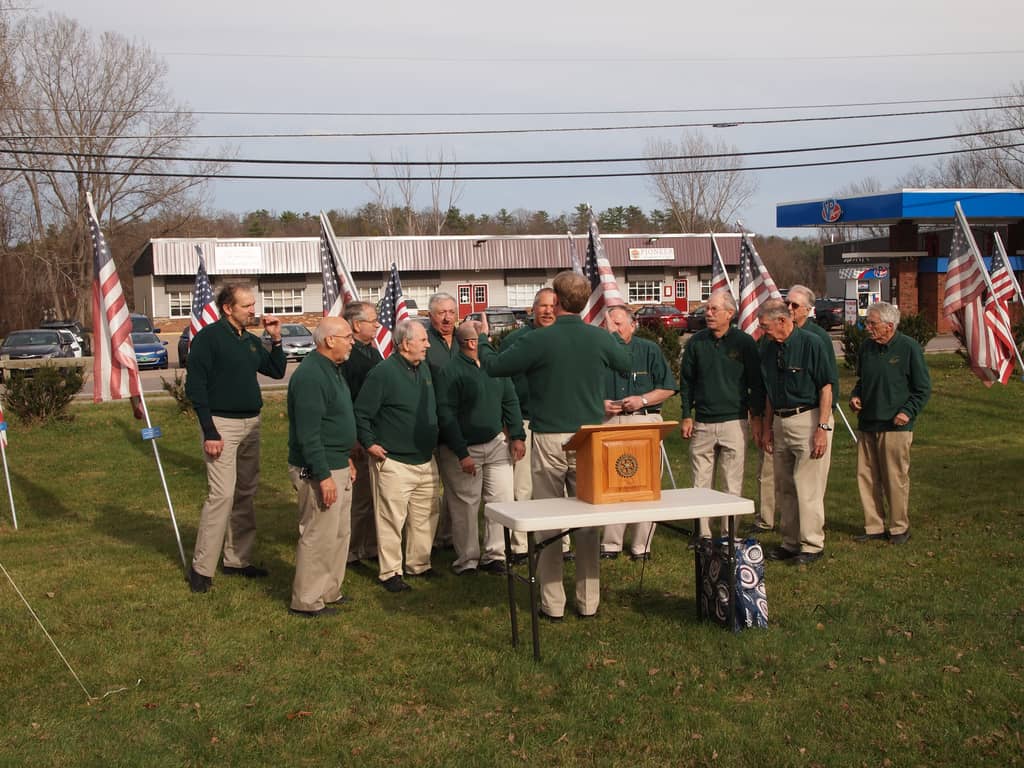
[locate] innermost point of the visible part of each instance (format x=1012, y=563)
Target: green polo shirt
x=222, y=367
x=321, y=422
x=794, y=371
x=519, y=380
x=812, y=327
x=362, y=360
x=891, y=378
x=439, y=352
x=397, y=409
x=721, y=377
x=565, y=365
x=473, y=408
x=648, y=371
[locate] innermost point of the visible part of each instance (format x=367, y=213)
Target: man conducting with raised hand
x=222, y=365
x=474, y=410
x=321, y=434
x=634, y=398
x=565, y=365
x=893, y=386
x=396, y=421
x=720, y=378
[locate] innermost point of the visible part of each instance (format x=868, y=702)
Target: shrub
x=668, y=340
x=45, y=396
x=853, y=337
x=176, y=389
x=918, y=328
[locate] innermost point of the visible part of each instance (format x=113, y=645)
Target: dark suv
x=830, y=313
x=76, y=328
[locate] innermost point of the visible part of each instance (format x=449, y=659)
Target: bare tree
x=701, y=191
x=380, y=188
x=444, y=193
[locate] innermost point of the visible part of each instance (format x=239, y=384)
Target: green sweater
x=519, y=380
x=565, y=365
x=439, y=352
x=891, y=378
x=721, y=378
x=648, y=371
x=363, y=358
x=321, y=422
x=397, y=410
x=795, y=371
x=472, y=407
x=222, y=367
x=812, y=327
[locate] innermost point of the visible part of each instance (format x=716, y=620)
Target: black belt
x=785, y=413
x=644, y=412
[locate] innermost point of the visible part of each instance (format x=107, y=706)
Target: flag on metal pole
x=1004, y=281
x=973, y=311
x=574, y=256
x=719, y=276
x=756, y=287
x=604, y=290
x=204, y=307
x=339, y=286
x=7, y=472
x=392, y=311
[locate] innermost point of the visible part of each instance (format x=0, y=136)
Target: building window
x=285, y=301
x=645, y=292
x=180, y=303
x=705, y=289
x=479, y=294
x=372, y=295
x=419, y=293
x=522, y=295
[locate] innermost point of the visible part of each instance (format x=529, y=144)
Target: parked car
x=830, y=313
x=183, y=346
x=296, y=340
x=142, y=324
x=499, y=319
x=150, y=352
x=34, y=344
x=655, y=316
x=697, y=320
x=67, y=337
x=522, y=317
x=77, y=329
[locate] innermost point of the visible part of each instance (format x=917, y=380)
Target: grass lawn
x=876, y=655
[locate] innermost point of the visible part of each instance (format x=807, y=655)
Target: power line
x=463, y=163
x=513, y=131
x=532, y=177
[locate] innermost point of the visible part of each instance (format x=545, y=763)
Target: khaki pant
x=404, y=501
x=722, y=445
x=765, y=517
x=640, y=534
x=228, y=518
x=883, y=472
x=522, y=478
x=492, y=482
x=364, y=528
x=800, y=482
x=554, y=475
x=323, y=541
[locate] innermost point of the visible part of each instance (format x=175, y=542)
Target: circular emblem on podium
x=626, y=465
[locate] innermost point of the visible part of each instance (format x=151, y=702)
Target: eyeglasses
x=793, y=305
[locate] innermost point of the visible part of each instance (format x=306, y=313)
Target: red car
x=656, y=316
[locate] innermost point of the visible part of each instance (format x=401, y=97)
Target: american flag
x=976, y=317
x=604, y=290
x=719, y=277
x=339, y=287
x=1004, y=282
x=204, y=307
x=574, y=255
x=3, y=428
x=115, y=372
x=392, y=311
x=756, y=287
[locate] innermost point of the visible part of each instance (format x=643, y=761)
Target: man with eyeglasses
x=799, y=384
x=441, y=335
x=362, y=316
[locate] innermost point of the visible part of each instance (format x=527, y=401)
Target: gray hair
x=403, y=331
x=887, y=313
x=625, y=310
x=773, y=309
x=357, y=310
x=807, y=292
x=726, y=296
x=437, y=298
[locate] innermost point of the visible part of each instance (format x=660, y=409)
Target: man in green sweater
x=720, y=377
x=222, y=365
x=396, y=421
x=441, y=335
x=321, y=434
x=476, y=459
x=565, y=365
x=892, y=388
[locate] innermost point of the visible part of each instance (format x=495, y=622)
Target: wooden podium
x=619, y=462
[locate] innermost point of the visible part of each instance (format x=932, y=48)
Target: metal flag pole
x=1009, y=268
x=666, y=465
x=7, y=478
x=845, y=421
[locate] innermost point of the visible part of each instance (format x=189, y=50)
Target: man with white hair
x=443, y=313
x=893, y=386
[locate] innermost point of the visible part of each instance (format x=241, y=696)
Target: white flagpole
x=721, y=263
x=339, y=265
x=1009, y=268
x=7, y=478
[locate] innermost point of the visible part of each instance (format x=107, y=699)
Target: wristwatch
x=825, y=427
x=644, y=401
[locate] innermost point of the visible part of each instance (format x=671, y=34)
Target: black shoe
x=568, y=557
x=519, y=558
x=465, y=572
x=862, y=537
x=695, y=540
x=806, y=558
x=641, y=556
x=343, y=600
x=548, y=617
x=585, y=616
x=781, y=553
x=325, y=611
x=395, y=584
x=354, y=564
x=494, y=567
x=197, y=582
x=430, y=573
x=249, y=571
x=609, y=555
x=900, y=538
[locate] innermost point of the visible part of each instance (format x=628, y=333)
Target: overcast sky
x=459, y=56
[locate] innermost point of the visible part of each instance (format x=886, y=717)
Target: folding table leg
x=533, y=555
x=512, y=614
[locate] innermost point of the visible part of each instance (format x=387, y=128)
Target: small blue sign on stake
x=152, y=433
x=3, y=426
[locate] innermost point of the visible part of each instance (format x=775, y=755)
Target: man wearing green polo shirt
x=893, y=386
x=565, y=365
x=396, y=421
x=223, y=362
x=441, y=334
x=634, y=398
x=798, y=383
x=321, y=434
x=474, y=410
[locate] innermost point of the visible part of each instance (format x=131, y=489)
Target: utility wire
x=532, y=177
x=465, y=163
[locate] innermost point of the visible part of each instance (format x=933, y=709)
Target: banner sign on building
x=237, y=258
x=652, y=254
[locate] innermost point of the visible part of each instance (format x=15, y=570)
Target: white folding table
x=568, y=514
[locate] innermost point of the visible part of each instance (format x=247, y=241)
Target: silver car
x=296, y=340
